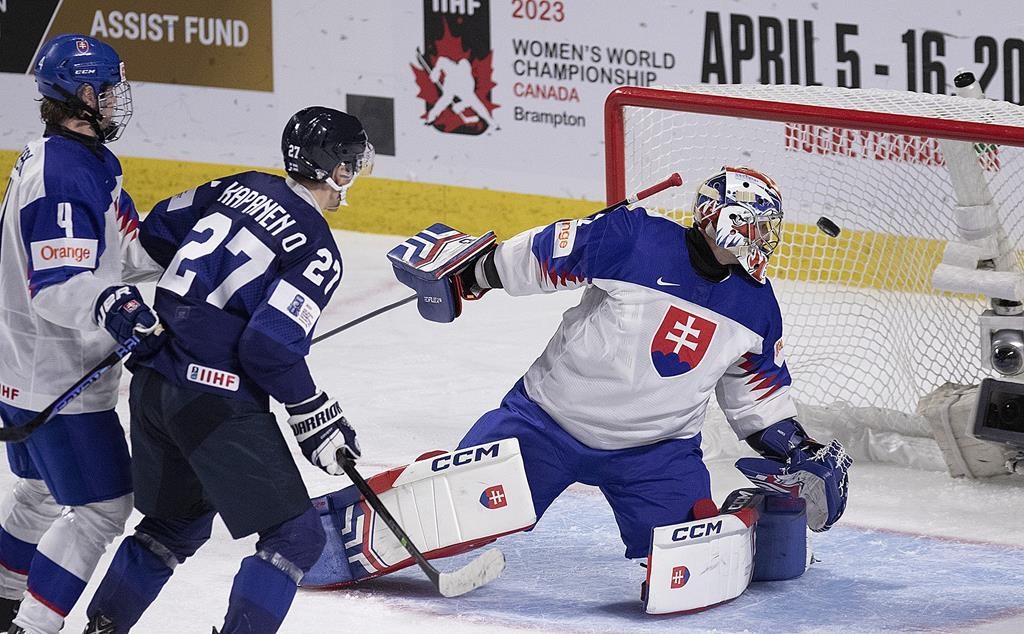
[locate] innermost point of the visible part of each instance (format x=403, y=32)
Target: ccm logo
x=463, y=457
x=684, y=533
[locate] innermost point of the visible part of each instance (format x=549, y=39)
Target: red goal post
x=909, y=178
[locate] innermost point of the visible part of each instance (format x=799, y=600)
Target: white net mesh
x=864, y=326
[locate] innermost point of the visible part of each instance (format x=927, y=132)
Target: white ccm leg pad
x=447, y=502
x=696, y=565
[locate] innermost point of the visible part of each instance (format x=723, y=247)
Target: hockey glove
x=795, y=464
x=122, y=312
x=321, y=429
x=437, y=263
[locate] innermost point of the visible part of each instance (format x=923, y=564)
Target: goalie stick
x=20, y=433
x=674, y=180
x=482, y=570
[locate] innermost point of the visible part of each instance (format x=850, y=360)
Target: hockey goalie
x=668, y=316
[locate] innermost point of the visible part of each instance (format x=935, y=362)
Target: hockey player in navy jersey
x=669, y=316
x=250, y=264
x=67, y=258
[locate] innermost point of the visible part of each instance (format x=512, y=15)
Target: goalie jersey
x=637, y=360
x=69, y=232
x=251, y=263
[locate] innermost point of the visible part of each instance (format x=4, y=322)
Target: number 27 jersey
x=250, y=264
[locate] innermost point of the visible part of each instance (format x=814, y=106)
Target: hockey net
x=866, y=332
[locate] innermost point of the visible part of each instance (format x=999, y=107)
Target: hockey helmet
x=68, y=62
x=741, y=210
x=318, y=139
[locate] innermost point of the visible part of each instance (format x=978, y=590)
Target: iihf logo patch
x=681, y=341
x=680, y=575
x=295, y=307
x=494, y=497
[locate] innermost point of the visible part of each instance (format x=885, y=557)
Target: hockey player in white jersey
x=67, y=254
x=669, y=316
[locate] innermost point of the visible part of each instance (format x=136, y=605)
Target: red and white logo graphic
x=494, y=497
x=454, y=71
x=681, y=341
x=680, y=575
x=212, y=377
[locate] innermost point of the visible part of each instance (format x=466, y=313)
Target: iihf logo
x=494, y=497
x=454, y=70
x=296, y=306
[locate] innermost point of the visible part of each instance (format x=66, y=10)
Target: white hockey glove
x=321, y=429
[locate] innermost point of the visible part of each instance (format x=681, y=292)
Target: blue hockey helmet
x=741, y=210
x=70, y=61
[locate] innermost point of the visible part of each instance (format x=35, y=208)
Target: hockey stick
x=674, y=180
x=20, y=433
x=359, y=320
x=482, y=570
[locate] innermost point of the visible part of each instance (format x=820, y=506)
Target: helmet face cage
x=68, y=63
x=115, y=105
x=741, y=210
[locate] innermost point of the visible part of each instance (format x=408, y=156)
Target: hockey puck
x=828, y=227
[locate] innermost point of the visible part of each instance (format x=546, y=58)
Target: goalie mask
x=318, y=139
x=68, y=63
x=741, y=210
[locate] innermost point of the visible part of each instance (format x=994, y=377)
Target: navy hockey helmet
x=68, y=62
x=317, y=139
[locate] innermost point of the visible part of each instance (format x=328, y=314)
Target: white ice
x=916, y=550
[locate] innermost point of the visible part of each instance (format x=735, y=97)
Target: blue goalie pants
x=647, y=486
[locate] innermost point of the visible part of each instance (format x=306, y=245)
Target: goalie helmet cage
x=866, y=334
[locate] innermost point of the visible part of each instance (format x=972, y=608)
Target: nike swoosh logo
x=662, y=282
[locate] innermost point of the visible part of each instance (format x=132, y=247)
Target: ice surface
x=916, y=550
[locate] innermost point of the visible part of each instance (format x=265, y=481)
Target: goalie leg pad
x=447, y=503
x=781, y=533
x=696, y=565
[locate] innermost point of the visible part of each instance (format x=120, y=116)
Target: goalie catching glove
x=445, y=266
x=321, y=429
x=794, y=463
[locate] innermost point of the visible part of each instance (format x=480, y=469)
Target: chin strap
x=341, y=189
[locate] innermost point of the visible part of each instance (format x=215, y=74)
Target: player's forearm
x=70, y=303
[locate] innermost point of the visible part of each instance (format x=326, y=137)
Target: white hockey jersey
x=637, y=360
x=67, y=226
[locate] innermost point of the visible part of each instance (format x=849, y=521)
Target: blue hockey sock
x=133, y=581
x=260, y=598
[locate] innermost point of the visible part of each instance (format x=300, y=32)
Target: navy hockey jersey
x=68, y=233
x=637, y=360
x=251, y=263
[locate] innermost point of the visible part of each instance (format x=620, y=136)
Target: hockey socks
x=133, y=581
x=260, y=598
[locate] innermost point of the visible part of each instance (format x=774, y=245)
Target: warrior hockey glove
x=438, y=264
x=321, y=429
x=795, y=464
x=122, y=312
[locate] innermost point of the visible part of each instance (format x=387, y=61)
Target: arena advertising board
x=498, y=94
x=223, y=44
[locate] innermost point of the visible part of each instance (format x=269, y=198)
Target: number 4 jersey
x=68, y=233
x=251, y=263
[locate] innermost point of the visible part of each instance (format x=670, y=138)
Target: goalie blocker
x=447, y=502
x=755, y=536
x=431, y=263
